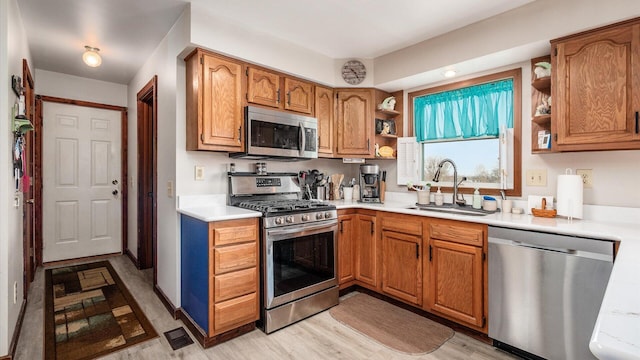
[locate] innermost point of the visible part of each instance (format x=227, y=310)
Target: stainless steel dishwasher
x=545, y=291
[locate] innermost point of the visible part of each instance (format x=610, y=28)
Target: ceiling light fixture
x=449, y=73
x=91, y=56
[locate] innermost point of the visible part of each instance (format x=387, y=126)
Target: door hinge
x=555, y=51
x=341, y=226
x=555, y=137
x=368, y=141
x=430, y=253
x=240, y=134
x=417, y=251
x=372, y=228
x=201, y=60
x=278, y=96
x=246, y=71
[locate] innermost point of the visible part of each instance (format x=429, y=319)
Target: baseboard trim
x=16, y=333
x=133, y=259
x=175, y=312
x=207, y=341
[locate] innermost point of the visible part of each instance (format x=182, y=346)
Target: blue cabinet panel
x=195, y=269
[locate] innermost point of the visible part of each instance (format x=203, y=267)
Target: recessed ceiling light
x=449, y=73
x=91, y=56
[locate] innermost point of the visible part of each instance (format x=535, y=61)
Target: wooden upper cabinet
x=263, y=87
x=214, y=103
x=298, y=96
x=278, y=91
x=325, y=111
x=596, y=88
x=355, y=123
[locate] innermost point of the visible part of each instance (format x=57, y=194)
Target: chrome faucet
x=436, y=178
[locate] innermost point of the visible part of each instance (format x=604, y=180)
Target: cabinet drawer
x=234, y=232
x=235, y=312
x=465, y=233
x=236, y=257
x=234, y=284
x=404, y=224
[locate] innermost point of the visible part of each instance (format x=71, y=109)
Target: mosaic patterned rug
x=89, y=313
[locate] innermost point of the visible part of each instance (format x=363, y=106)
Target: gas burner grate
x=276, y=206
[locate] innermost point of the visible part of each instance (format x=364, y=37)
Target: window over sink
x=477, y=124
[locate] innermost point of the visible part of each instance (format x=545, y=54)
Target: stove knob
x=279, y=221
x=290, y=219
x=319, y=216
x=305, y=217
x=327, y=215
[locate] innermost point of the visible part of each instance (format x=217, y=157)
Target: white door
x=82, y=206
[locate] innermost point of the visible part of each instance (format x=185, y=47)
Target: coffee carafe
x=369, y=183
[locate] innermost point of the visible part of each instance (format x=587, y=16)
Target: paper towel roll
x=570, y=196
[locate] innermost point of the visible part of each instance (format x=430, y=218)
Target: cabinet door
x=402, y=266
x=366, y=250
x=346, y=249
x=596, y=90
x=298, y=96
x=456, y=281
x=263, y=87
x=221, y=103
x=355, y=119
x=325, y=111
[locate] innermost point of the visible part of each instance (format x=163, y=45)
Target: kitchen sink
x=452, y=209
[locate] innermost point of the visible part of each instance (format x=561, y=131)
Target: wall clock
x=354, y=72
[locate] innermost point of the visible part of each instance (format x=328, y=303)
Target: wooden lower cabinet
x=436, y=264
x=402, y=266
x=366, y=264
x=346, y=249
x=458, y=272
x=220, y=287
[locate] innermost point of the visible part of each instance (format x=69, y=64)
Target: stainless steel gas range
x=298, y=247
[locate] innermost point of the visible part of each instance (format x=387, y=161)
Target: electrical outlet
x=537, y=177
x=199, y=172
x=587, y=177
x=15, y=292
x=170, y=188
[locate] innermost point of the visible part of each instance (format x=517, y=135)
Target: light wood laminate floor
x=318, y=337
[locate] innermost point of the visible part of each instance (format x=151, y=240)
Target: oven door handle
x=302, y=230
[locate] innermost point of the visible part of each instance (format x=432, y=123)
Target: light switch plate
x=537, y=177
x=199, y=173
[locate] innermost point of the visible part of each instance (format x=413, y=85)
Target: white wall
x=12, y=38
x=510, y=37
x=78, y=88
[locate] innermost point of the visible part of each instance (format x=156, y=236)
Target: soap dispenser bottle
x=439, y=198
x=477, y=199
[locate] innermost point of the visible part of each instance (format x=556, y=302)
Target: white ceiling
x=127, y=31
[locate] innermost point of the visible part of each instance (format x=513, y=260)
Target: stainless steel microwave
x=279, y=135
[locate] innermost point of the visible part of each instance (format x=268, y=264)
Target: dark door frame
x=28, y=201
x=147, y=107
x=38, y=163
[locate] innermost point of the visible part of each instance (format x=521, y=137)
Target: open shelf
x=388, y=112
x=542, y=84
x=542, y=119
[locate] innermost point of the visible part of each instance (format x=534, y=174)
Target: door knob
x=115, y=182
x=115, y=192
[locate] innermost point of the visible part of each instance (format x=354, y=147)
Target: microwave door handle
x=301, y=139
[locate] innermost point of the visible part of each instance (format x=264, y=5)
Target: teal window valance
x=472, y=112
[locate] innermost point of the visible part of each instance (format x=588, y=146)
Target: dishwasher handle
x=538, y=247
